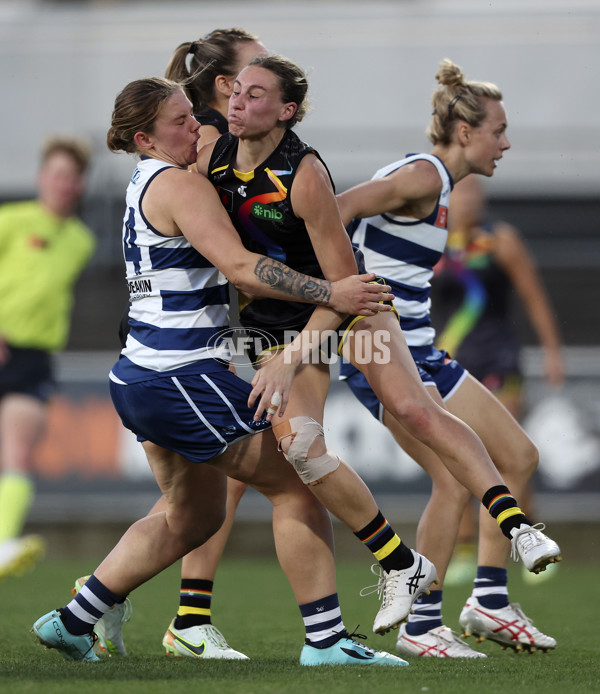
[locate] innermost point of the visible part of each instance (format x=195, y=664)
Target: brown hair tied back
x=213, y=55
x=137, y=107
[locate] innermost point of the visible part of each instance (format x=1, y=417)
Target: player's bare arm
x=204, y=154
x=191, y=202
x=411, y=191
x=313, y=200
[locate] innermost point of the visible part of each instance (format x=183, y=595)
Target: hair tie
x=193, y=47
x=454, y=101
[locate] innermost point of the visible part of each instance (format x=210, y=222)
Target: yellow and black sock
x=502, y=506
x=195, y=597
x=386, y=546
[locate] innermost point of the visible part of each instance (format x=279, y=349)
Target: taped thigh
x=303, y=431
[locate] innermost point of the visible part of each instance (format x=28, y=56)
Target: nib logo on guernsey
x=261, y=211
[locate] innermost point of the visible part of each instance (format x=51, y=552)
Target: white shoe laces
x=519, y=611
x=528, y=537
x=379, y=587
x=444, y=638
x=385, y=580
x=529, y=622
x=215, y=637
x=449, y=636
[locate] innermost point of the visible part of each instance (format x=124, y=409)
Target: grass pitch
x=255, y=609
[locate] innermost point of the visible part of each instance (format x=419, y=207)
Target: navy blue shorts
x=197, y=415
x=29, y=372
x=435, y=367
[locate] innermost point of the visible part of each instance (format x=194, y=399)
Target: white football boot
x=535, y=549
x=440, y=642
x=398, y=590
x=204, y=641
x=109, y=628
x=508, y=626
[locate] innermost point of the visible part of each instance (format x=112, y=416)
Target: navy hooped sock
x=86, y=608
x=323, y=621
x=426, y=614
x=490, y=587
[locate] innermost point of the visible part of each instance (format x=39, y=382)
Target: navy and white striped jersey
x=403, y=251
x=178, y=299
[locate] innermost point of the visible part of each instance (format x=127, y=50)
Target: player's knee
x=295, y=438
x=524, y=460
x=416, y=415
x=235, y=491
x=192, y=530
x=451, y=494
x=533, y=456
x=197, y=536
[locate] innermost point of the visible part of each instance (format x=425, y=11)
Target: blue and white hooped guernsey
x=178, y=299
x=403, y=251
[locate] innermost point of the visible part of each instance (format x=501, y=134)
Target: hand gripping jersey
x=403, y=251
x=259, y=205
x=179, y=301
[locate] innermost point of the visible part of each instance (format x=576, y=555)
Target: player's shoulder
x=419, y=175
x=425, y=168
x=174, y=183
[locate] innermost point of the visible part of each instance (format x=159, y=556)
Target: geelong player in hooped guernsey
x=402, y=233
x=179, y=300
x=404, y=251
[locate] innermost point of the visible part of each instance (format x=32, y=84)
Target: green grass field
x=254, y=607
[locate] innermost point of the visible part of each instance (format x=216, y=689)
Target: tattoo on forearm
x=280, y=276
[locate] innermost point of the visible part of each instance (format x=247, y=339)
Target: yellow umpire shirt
x=41, y=257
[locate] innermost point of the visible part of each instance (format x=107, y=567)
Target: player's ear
x=288, y=110
x=143, y=140
x=224, y=85
x=463, y=132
